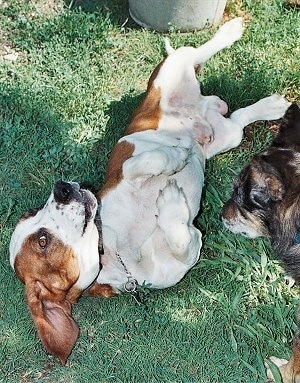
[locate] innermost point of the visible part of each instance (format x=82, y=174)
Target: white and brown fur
x=150, y=197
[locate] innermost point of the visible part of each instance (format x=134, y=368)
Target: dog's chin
x=250, y=235
x=237, y=228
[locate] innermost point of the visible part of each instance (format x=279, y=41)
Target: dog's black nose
x=229, y=210
x=63, y=191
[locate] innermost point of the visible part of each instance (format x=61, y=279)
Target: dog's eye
x=259, y=198
x=43, y=241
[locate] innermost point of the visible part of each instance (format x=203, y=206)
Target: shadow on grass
x=36, y=148
x=241, y=91
x=118, y=10
x=87, y=23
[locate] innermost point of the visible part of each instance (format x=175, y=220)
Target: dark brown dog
x=266, y=202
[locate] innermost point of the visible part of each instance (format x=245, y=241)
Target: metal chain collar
x=131, y=285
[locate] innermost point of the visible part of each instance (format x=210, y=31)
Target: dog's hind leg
x=268, y=108
x=226, y=35
x=228, y=132
x=175, y=220
x=178, y=71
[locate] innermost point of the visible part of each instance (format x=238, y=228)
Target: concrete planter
x=182, y=14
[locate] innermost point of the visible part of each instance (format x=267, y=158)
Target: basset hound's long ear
x=57, y=329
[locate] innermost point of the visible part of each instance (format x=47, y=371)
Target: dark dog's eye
x=259, y=197
x=42, y=241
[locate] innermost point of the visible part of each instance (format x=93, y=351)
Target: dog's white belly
x=131, y=211
x=130, y=227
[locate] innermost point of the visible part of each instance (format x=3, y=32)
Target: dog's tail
x=168, y=46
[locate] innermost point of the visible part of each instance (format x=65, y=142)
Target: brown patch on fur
x=49, y=274
x=154, y=75
x=100, y=290
x=114, y=172
x=146, y=117
x=148, y=114
x=46, y=263
x=73, y=295
x=296, y=358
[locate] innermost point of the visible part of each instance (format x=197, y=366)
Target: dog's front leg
x=163, y=160
x=175, y=220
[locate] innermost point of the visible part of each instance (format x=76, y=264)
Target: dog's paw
x=175, y=223
x=279, y=105
x=230, y=32
x=171, y=194
x=273, y=107
x=171, y=204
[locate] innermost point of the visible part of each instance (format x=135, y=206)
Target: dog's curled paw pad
x=170, y=195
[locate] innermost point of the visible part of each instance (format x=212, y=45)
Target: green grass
x=64, y=102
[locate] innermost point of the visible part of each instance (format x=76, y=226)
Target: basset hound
x=147, y=205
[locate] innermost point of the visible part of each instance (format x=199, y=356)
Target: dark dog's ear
x=289, y=132
x=267, y=185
